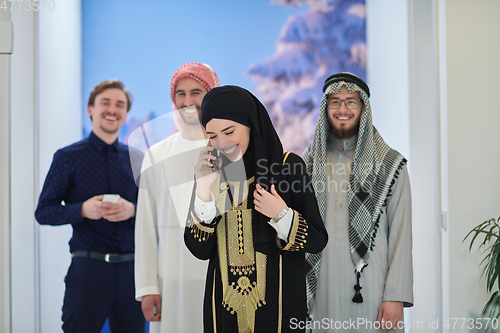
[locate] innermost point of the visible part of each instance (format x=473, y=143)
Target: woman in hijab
x=253, y=215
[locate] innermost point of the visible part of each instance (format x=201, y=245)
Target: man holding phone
x=169, y=280
x=90, y=185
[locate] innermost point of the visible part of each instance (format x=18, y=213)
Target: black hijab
x=264, y=150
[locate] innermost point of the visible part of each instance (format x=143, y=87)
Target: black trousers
x=96, y=290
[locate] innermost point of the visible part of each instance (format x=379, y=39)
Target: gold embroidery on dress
x=237, y=256
x=242, y=261
x=201, y=232
x=298, y=233
x=220, y=199
x=214, y=312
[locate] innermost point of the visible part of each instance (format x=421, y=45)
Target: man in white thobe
x=364, y=277
x=169, y=280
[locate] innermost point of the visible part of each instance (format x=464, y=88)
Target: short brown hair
x=108, y=84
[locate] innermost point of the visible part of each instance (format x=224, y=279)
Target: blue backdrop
x=142, y=43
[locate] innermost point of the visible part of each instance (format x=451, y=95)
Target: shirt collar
x=349, y=144
x=99, y=144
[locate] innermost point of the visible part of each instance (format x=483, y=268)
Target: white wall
x=442, y=104
x=23, y=173
x=5, y=296
x=46, y=115
x=473, y=69
x=59, y=125
x=425, y=163
x=388, y=72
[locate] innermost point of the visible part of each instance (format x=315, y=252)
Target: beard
x=344, y=132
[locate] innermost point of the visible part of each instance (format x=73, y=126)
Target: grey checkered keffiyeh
x=374, y=167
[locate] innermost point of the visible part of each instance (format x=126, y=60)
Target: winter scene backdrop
x=281, y=50
x=328, y=38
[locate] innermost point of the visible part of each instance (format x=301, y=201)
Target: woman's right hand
x=205, y=174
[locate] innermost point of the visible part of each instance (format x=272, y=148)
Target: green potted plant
x=490, y=229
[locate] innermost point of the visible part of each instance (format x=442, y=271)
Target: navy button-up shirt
x=80, y=171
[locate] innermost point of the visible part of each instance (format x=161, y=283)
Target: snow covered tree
x=327, y=39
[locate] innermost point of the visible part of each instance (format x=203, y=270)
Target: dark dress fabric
x=278, y=264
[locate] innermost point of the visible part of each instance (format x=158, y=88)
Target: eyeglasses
x=350, y=103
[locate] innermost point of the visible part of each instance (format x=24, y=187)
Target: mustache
x=345, y=114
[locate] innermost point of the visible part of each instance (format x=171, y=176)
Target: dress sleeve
x=399, y=281
x=205, y=211
x=283, y=226
x=200, y=237
x=51, y=210
x=307, y=231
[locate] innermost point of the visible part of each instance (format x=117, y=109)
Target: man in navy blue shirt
x=100, y=280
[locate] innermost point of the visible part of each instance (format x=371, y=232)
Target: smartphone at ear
x=215, y=164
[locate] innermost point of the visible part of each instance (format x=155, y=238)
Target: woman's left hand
x=267, y=203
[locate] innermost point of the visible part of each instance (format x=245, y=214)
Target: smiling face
x=344, y=122
x=108, y=112
x=189, y=92
x=228, y=137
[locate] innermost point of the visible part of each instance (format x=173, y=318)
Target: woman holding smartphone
x=253, y=215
